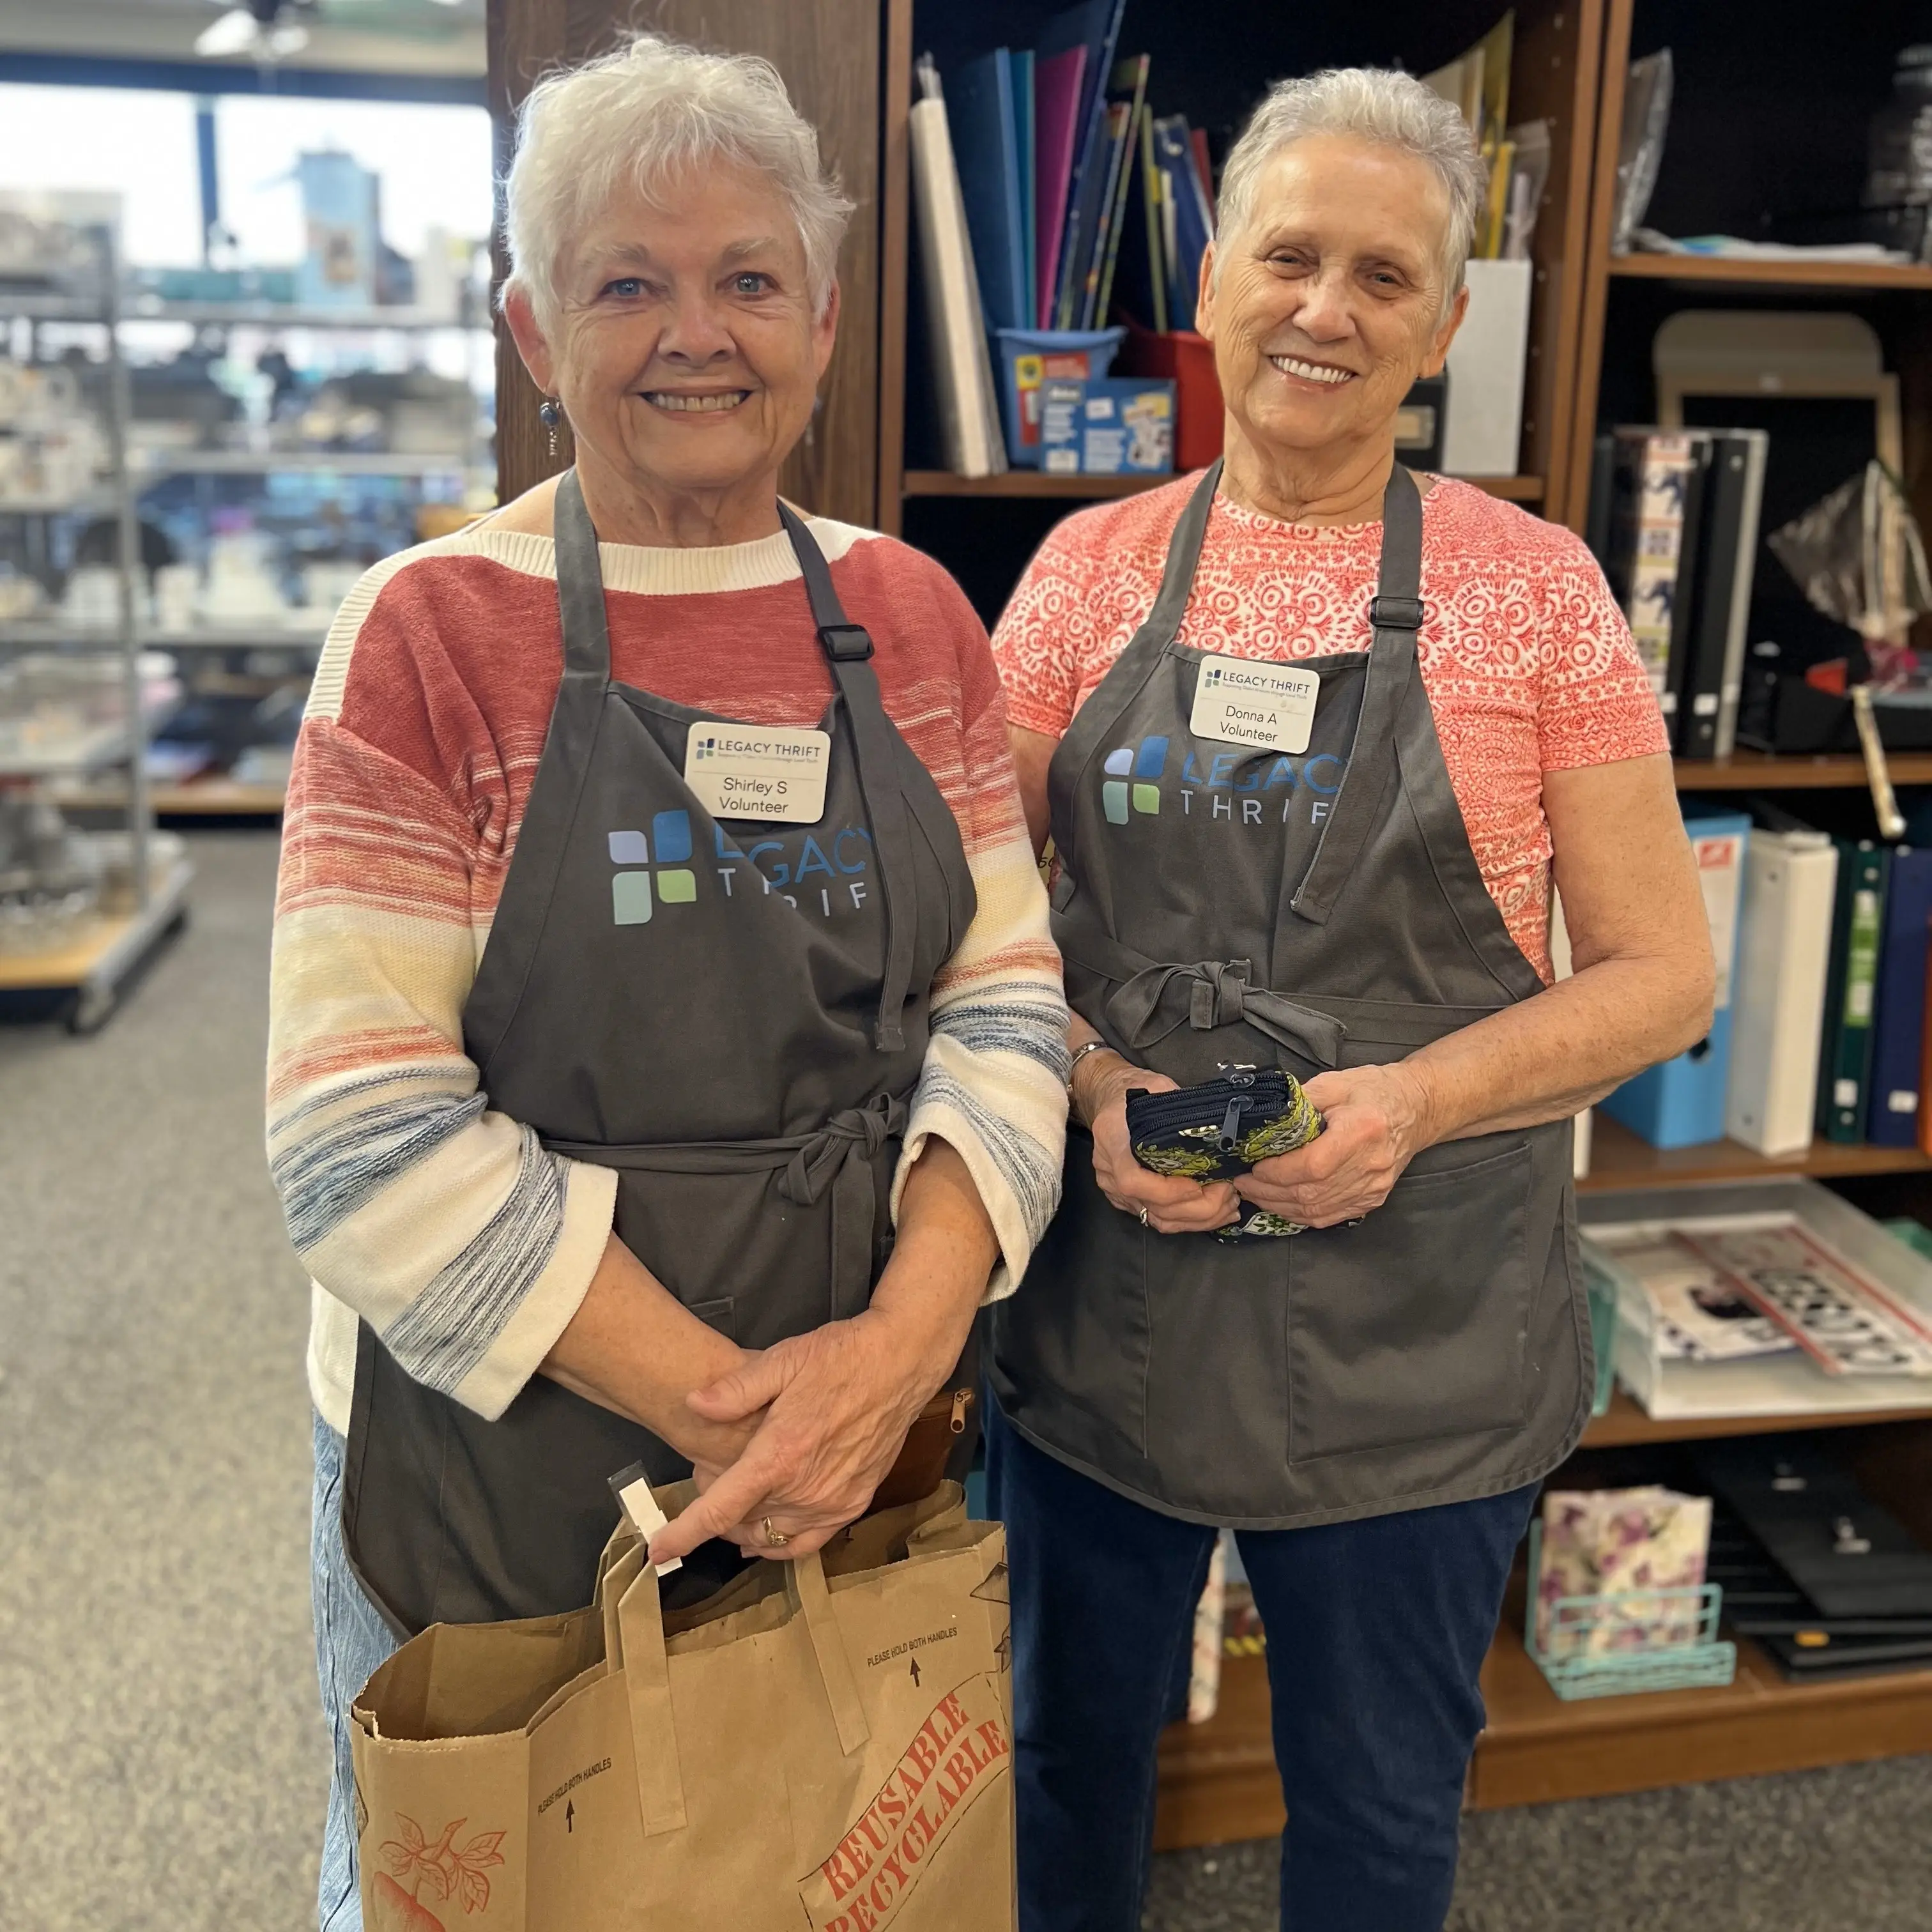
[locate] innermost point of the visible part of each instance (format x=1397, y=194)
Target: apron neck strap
x=1395, y=613
x=875, y=746
x=580, y=584
x=1184, y=556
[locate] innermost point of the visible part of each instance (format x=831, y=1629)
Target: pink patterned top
x=1527, y=662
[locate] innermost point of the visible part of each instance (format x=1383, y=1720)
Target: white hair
x=648, y=113
x=1379, y=104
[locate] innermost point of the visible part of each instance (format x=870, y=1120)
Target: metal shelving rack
x=95, y=966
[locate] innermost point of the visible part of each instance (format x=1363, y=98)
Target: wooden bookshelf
x=1623, y=1424
x=1730, y=272
x=1793, y=771
x=1217, y=1781
x=1038, y=483
x=1619, y=1158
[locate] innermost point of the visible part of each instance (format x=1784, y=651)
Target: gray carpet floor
x=162, y=1767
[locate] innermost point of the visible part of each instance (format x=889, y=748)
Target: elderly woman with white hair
x=667, y=1052
x=1308, y=732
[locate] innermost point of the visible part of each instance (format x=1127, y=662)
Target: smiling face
x=1329, y=301
x=685, y=350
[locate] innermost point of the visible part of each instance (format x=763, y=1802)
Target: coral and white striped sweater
x=416, y=1206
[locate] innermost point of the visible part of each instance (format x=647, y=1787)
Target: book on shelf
x=1020, y=81
x=1094, y=26
x=985, y=131
x=1188, y=222
x=1146, y=283
x=1126, y=94
x=1898, y=1025
x=969, y=418
x=1845, y=1044
x=1056, y=80
x=1784, y=941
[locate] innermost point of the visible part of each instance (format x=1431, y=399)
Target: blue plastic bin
x=1031, y=357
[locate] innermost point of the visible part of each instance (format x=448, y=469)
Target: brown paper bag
x=823, y=1745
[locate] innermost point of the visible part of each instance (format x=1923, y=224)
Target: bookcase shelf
x=1618, y=1159
x=1729, y=271
x=1773, y=771
x=1217, y=1781
x=1623, y=1424
x=1038, y=483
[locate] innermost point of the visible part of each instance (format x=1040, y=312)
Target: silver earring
x=549, y=413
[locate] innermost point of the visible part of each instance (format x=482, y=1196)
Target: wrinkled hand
x=1174, y=1205
x=1374, y=1119
x=837, y=1404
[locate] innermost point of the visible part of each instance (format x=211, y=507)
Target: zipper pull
x=1230, y=1123
x=960, y=1397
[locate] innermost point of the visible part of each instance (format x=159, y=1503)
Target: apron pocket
x=1076, y=1330
x=718, y=1314
x=1219, y=1384
x=755, y=1266
x=1414, y=1326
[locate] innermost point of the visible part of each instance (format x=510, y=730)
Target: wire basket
x=1626, y=1641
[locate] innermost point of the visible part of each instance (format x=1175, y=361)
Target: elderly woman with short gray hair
x=1308, y=734
x=667, y=1053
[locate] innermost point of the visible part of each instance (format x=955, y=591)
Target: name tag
x=1269, y=705
x=759, y=771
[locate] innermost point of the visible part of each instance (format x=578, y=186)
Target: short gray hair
x=1379, y=104
x=647, y=111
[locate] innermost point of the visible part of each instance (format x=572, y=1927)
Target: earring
x=549, y=413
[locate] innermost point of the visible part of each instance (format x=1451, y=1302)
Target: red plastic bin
x=1188, y=360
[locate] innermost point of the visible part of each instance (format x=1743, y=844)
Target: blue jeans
x=1376, y=1631
x=351, y=1639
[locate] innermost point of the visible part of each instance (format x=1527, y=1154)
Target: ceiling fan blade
x=236, y=32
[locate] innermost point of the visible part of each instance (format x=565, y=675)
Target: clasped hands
x=1376, y=1122
x=819, y=1420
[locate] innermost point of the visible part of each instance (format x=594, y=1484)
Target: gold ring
x=777, y=1538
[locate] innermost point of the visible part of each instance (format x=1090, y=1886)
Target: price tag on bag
x=759, y=771
x=1240, y=702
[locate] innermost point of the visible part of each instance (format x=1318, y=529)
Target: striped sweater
x=465, y=1244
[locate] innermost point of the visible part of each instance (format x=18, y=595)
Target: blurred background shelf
x=1792, y=771
x=96, y=963
x=1618, y=1159
x=1733, y=272
x=216, y=797
x=1624, y=1424
x=1038, y=483
x=151, y=463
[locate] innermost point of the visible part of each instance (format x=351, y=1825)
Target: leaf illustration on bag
x=446, y=1868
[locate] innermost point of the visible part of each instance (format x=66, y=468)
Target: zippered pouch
x=1223, y=1128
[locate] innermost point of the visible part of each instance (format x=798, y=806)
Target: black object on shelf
x=1783, y=713
x=1849, y=1556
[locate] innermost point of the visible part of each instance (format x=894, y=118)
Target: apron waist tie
x=838, y=1155
x=1153, y=1001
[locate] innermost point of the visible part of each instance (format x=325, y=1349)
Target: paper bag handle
x=647, y=1670
x=804, y=1586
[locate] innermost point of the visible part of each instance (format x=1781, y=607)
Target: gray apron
x=1220, y=904
x=733, y=1015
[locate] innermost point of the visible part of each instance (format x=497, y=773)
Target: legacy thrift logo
x=1146, y=765
x=676, y=883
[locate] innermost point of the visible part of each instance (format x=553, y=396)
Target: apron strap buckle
x=1395, y=614
x=846, y=644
